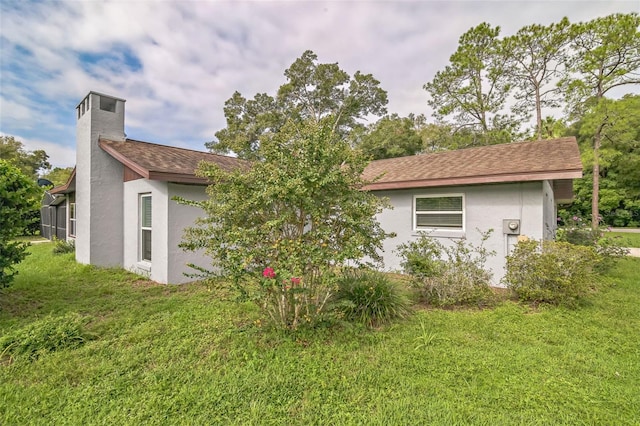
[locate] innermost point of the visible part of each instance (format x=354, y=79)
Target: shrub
x=301, y=212
x=18, y=201
x=370, y=297
x=448, y=275
x=46, y=335
x=577, y=231
x=559, y=273
x=63, y=246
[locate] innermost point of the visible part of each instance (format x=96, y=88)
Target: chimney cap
x=101, y=95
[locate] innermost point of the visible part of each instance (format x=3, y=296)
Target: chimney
x=99, y=186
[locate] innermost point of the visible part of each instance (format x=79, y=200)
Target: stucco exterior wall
x=181, y=217
x=169, y=219
x=485, y=208
x=157, y=268
x=98, y=185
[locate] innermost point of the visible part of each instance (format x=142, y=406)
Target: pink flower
x=575, y=218
x=268, y=273
x=295, y=280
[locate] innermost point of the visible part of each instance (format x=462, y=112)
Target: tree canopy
x=605, y=54
x=59, y=175
x=392, y=136
x=470, y=93
x=619, y=161
x=19, y=200
x=30, y=163
x=313, y=92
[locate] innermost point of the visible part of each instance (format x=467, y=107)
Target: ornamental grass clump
x=448, y=275
x=371, y=297
x=551, y=272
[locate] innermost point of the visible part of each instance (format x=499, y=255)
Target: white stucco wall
x=98, y=185
x=181, y=217
x=485, y=208
x=169, y=219
x=157, y=269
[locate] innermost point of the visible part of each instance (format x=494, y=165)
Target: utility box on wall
x=511, y=226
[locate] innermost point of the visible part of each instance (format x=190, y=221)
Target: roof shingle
x=514, y=162
x=162, y=162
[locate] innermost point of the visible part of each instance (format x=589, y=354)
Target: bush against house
x=283, y=228
x=553, y=272
x=448, y=275
x=19, y=198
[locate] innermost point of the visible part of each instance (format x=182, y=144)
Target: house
x=120, y=208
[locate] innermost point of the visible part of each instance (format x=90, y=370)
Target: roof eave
x=177, y=178
x=68, y=187
x=475, y=180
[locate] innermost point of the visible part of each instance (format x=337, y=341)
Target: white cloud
x=59, y=155
x=192, y=55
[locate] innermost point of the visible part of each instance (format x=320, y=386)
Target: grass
x=187, y=355
x=626, y=239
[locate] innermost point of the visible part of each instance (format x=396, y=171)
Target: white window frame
x=142, y=229
x=451, y=230
x=73, y=213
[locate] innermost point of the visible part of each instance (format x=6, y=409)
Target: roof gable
x=514, y=162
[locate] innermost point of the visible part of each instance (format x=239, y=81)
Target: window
x=445, y=212
x=72, y=219
x=145, y=227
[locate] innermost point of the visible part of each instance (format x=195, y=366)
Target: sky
x=177, y=62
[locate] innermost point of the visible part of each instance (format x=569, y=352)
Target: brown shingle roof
x=168, y=163
x=514, y=162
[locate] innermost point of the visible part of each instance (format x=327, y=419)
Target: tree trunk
x=538, y=113
x=595, y=200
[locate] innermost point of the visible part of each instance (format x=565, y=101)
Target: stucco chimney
x=99, y=186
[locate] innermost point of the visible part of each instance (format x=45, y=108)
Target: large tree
x=392, y=136
x=19, y=198
x=619, y=161
x=313, y=92
x=30, y=163
x=535, y=58
x=604, y=55
x=471, y=92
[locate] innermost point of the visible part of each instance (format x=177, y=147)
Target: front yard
x=191, y=355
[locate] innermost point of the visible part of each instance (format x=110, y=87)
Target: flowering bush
x=280, y=228
x=289, y=301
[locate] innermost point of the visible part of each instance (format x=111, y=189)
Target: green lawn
x=626, y=239
x=187, y=355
